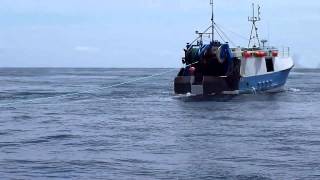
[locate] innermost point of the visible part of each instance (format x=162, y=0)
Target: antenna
x=212, y=19
x=254, y=19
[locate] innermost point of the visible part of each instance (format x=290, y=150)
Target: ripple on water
x=143, y=131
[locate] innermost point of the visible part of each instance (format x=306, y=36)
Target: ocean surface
x=73, y=124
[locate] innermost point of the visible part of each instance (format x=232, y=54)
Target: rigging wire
x=220, y=35
x=233, y=32
x=89, y=91
x=225, y=35
x=92, y=91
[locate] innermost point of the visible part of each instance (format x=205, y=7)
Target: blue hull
x=271, y=82
x=264, y=82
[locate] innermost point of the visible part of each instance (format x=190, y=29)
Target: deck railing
x=284, y=52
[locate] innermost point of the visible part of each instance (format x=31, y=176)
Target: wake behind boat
x=216, y=68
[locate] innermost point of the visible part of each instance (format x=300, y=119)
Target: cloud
x=149, y=32
x=87, y=49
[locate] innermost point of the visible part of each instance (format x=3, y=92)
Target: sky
x=144, y=33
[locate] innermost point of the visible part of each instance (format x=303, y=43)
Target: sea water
x=69, y=124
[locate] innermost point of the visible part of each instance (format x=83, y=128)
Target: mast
x=254, y=19
x=212, y=20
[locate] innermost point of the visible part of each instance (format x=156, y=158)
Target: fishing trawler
x=216, y=68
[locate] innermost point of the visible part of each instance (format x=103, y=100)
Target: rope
x=89, y=91
x=224, y=34
x=235, y=33
x=92, y=91
x=220, y=36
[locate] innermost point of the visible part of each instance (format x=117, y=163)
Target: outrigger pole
x=212, y=20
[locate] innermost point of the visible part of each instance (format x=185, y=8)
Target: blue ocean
x=60, y=123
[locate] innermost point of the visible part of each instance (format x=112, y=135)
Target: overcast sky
x=142, y=33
